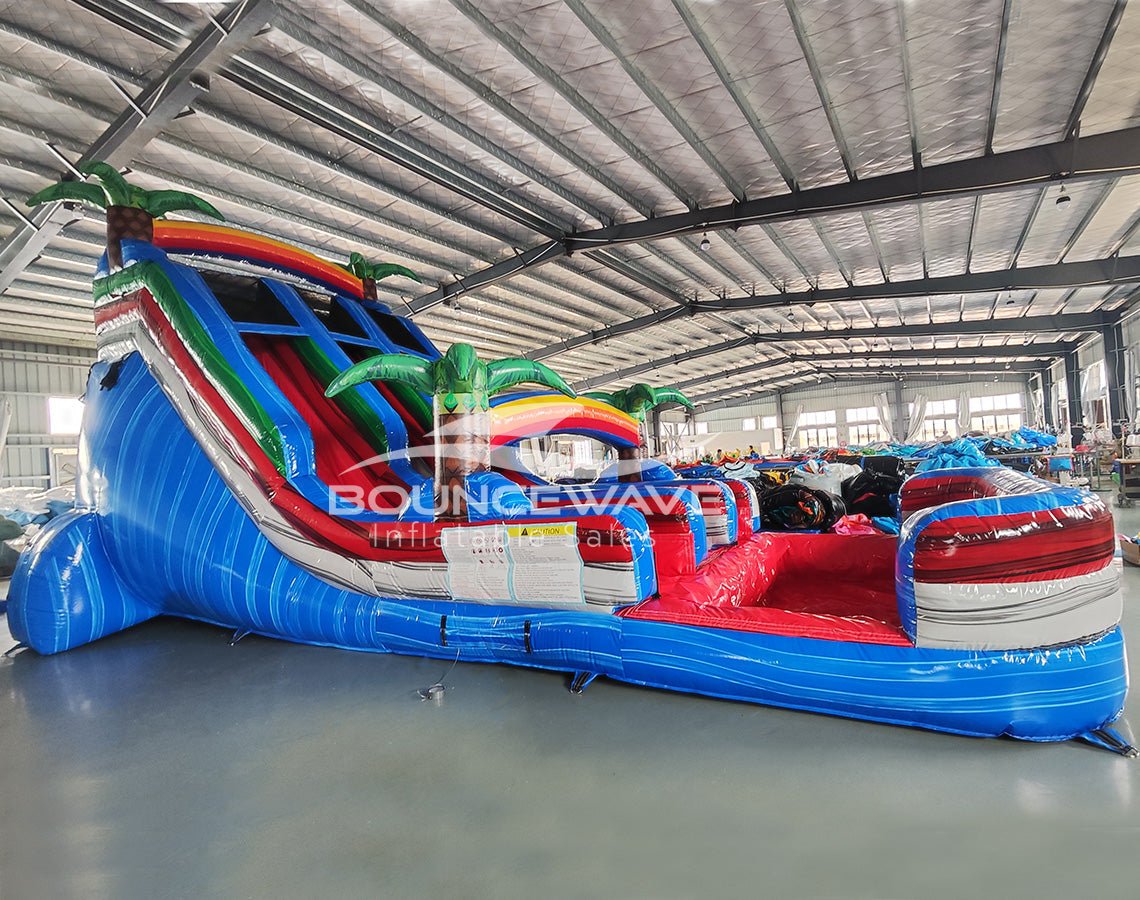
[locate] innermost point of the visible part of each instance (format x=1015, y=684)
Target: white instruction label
x=537, y=564
x=547, y=564
x=478, y=567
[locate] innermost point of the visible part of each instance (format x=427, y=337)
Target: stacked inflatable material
x=994, y=612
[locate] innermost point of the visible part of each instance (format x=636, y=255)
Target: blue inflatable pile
x=960, y=454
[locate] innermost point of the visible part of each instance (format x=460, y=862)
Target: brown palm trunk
x=462, y=448
x=629, y=463
x=126, y=223
x=629, y=457
x=368, y=288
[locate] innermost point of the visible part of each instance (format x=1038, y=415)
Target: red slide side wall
x=338, y=446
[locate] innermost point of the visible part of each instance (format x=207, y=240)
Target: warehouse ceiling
x=727, y=195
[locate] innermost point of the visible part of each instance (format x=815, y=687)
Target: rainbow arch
x=516, y=418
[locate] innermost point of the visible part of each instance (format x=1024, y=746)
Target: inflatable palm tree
x=461, y=385
x=370, y=273
x=131, y=210
x=636, y=401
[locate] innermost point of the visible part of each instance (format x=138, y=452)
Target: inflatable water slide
x=269, y=448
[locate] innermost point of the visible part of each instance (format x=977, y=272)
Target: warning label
x=537, y=564
x=540, y=531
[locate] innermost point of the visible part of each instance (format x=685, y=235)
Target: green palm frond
x=460, y=369
x=387, y=270
x=671, y=395
x=357, y=265
x=402, y=367
x=362, y=268
x=506, y=373
x=70, y=191
x=637, y=399
x=115, y=190
x=159, y=203
x=115, y=185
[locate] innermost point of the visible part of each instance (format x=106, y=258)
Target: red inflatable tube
x=1032, y=546
x=743, y=508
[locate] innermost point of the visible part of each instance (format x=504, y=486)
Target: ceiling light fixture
x=1063, y=198
x=706, y=243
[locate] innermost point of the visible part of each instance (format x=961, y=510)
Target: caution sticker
x=517, y=531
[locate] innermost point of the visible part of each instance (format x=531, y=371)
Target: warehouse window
x=768, y=422
x=702, y=428
x=863, y=426
x=937, y=429
x=748, y=425
x=819, y=437
x=941, y=420
x=865, y=433
x=817, y=429
x=998, y=423
x=65, y=414
x=997, y=414
x=996, y=403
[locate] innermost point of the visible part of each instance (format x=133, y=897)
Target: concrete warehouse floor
x=163, y=762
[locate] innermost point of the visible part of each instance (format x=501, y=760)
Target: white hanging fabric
x=1092, y=390
x=883, y=411
x=917, y=417
x=5, y=421
x=963, y=412
x=1038, y=409
x=790, y=442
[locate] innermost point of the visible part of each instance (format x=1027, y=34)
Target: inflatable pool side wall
x=1019, y=563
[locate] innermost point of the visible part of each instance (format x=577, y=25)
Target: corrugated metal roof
x=448, y=135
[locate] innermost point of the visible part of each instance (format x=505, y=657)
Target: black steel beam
x=1094, y=156
x=593, y=337
x=912, y=373
x=1114, y=350
x=1073, y=388
x=1117, y=270
x=1074, y=120
x=890, y=357
x=999, y=68
x=1065, y=323
x=1047, y=396
x=484, y=277
x=146, y=116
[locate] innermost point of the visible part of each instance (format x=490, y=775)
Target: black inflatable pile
x=794, y=507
